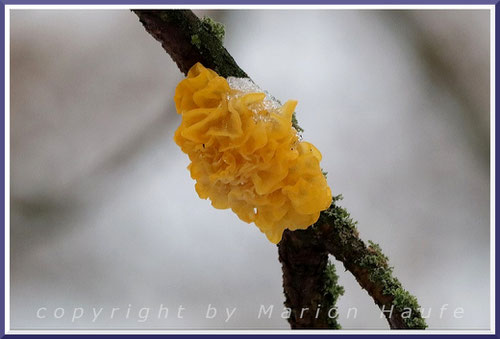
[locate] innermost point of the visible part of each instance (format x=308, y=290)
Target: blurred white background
x=104, y=213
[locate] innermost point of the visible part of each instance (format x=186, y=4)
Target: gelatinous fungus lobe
x=245, y=155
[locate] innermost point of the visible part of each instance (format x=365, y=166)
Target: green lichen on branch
x=331, y=293
x=295, y=123
x=369, y=265
x=377, y=264
x=214, y=27
x=340, y=220
x=189, y=40
x=381, y=273
x=325, y=173
x=195, y=40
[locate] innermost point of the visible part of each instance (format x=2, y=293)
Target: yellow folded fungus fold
x=245, y=155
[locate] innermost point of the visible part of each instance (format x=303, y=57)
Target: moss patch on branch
x=295, y=123
x=369, y=265
x=214, y=27
x=331, y=293
x=381, y=273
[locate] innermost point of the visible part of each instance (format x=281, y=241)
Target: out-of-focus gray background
x=104, y=213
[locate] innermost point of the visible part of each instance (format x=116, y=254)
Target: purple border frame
x=213, y=2
x=249, y=2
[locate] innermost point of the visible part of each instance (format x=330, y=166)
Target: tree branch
x=337, y=232
x=309, y=281
x=303, y=253
x=188, y=40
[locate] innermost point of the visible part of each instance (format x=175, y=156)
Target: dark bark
x=304, y=263
x=304, y=253
x=188, y=41
x=348, y=248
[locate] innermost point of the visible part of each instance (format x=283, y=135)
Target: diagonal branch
x=303, y=253
x=188, y=40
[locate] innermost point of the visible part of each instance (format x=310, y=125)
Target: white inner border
x=8, y=8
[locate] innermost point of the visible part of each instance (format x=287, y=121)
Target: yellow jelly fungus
x=245, y=155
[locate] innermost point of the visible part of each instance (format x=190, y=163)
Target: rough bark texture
x=336, y=231
x=351, y=254
x=302, y=253
x=188, y=40
x=304, y=264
